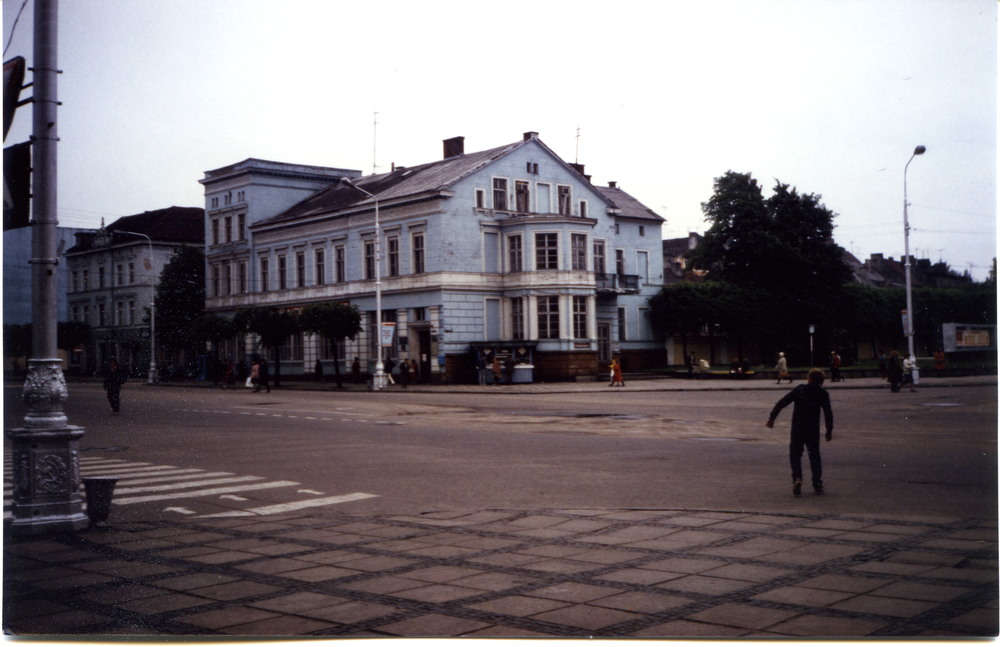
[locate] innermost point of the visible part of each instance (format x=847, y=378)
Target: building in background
x=507, y=252
x=110, y=283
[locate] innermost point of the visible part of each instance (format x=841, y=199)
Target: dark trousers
x=795, y=457
x=114, y=398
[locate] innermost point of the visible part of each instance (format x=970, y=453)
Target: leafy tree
x=70, y=334
x=335, y=321
x=180, y=299
x=17, y=340
x=272, y=325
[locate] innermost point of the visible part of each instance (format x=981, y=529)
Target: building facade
x=509, y=252
x=111, y=283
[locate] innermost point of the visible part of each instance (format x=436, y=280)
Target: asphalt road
x=930, y=453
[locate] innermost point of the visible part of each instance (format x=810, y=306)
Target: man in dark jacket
x=113, y=381
x=809, y=398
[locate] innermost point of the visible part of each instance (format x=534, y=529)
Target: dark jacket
x=809, y=399
x=114, y=379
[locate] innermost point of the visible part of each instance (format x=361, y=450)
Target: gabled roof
x=404, y=183
x=628, y=206
x=174, y=225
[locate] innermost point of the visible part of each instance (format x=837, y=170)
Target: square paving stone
x=506, y=559
x=811, y=554
x=844, y=583
x=127, y=568
x=748, y=572
x=687, y=628
x=73, y=582
x=223, y=557
x=684, y=565
x=703, y=584
x=756, y=547
x=235, y=590
x=918, y=591
x=278, y=626
x=641, y=602
x=631, y=534
x=551, y=550
x=275, y=566
x=803, y=597
x=503, y=631
x=586, y=616
x=583, y=525
x=192, y=581
x=438, y=593
x=38, y=575
x=190, y=551
x=639, y=576
x=693, y=522
x=891, y=568
x=922, y=558
x=350, y=612
x=295, y=602
x=442, y=573
x=484, y=543
x=162, y=603
x=743, y=615
x=320, y=573
x=442, y=551
x=608, y=556
x=518, y=605
x=384, y=584
x=560, y=566
x=200, y=537
x=825, y=627
x=433, y=624
x=573, y=592
x=122, y=594
x=278, y=549
x=376, y=563
x=225, y=617
x=884, y=606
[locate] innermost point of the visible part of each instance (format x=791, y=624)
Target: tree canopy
x=335, y=321
x=180, y=298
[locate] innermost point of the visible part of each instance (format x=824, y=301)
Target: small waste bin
x=100, y=490
x=524, y=373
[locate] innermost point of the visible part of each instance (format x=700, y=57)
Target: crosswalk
x=180, y=489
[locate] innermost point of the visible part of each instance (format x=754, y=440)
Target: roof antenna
x=374, y=142
x=577, y=160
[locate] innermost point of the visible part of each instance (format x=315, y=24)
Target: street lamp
x=812, y=330
x=378, y=380
x=919, y=150
x=152, y=308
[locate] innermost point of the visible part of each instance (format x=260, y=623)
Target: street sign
x=13, y=81
x=17, y=186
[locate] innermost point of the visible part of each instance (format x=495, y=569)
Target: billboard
x=968, y=337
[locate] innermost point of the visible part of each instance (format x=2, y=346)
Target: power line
x=14, y=27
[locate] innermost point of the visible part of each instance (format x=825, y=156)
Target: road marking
x=234, y=497
x=178, y=475
x=116, y=471
x=169, y=486
x=180, y=510
x=210, y=492
x=310, y=492
x=289, y=507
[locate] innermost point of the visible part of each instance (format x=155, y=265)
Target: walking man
x=263, y=382
x=113, y=385
x=809, y=398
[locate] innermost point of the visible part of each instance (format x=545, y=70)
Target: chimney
x=613, y=185
x=577, y=167
x=530, y=135
x=454, y=147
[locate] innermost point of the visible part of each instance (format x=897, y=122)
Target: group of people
x=490, y=371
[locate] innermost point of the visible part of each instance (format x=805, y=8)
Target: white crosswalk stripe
x=141, y=482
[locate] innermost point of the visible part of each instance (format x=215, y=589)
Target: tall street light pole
x=378, y=380
x=919, y=150
x=152, y=307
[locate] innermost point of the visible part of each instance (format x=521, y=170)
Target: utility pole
x=46, y=452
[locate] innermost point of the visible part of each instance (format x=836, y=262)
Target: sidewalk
x=506, y=573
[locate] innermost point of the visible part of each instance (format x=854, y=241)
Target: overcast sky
x=828, y=96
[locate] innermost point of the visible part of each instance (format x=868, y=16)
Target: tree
x=272, y=325
x=70, y=334
x=180, y=299
x=336, y=322
x=17, y=340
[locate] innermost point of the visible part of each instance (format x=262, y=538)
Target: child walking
x=809, y=398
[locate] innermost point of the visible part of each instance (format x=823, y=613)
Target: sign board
x=17, y=186
x=388, y=330
x=968, y=337
x=13, y=81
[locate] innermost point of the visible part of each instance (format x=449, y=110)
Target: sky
x=828, y=96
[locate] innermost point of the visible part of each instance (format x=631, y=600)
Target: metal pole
x=152, y=308
x=46, y=459
x=919, y=150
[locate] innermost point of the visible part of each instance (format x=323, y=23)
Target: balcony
x=617, y=283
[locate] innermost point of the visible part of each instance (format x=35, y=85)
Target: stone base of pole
x=46, y=478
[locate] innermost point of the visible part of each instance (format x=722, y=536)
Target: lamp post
x=152, y=308
x=919, y=150
x=812, y=329
x=378, y=380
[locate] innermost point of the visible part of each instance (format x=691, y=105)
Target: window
x=621, y=324
x=420, y=314
x=86, y=314
x=393, y=245
x=564, y=201
x=370, y=259
x=499, y=194
x=282, y=272
x=119, y=313
x=418, y=253
x=85, y=274
x=617, y=229
x=300, y=269
x=292, y=349
x=131, y=273
x=76, y=286
x=243, y=278
x=548, y=317
x=241, y=226
x=517, y=318
x=100, y=277
x=215, y=203
x=480, y=199
x=583, y=208
x=100, y=314
x=579, y=251
x=546, y=251
x=320, y=267
x=131, y=313
x=516, y=253
x=215, y=231
x=119, y=274
x=619, y=261
x=338, y=253
x=264, y=287
x=76, y=313
x=532, y=168
x=228, y=228
x=580, y=317
x=240, y=196
x=216, y=280
x=521, y=196
x=642, y=230
x=227, y=279
x=599, y=265
x=332, y=349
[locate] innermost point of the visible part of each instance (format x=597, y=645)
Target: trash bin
x=523, y=373
x=100, y=490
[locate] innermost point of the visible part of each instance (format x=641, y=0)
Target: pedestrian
x=264, y=376
x=616, y=373
x=481, y=368
x=939, y=363
x=496, y=370
x=810, y=399
x=113, y=380
x=356, y=370
x=404, y=373
x=415, y=370
x=255, y=375
x=909, y=362
x=508, y=365
x=894, y=367
x=228, y=378
x=319, y=371
x=882, y=364
x=689, y=361
x=835, y=367
x=782, y=367
x=389, y=364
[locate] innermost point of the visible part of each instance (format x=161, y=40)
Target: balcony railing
x=618, y=283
